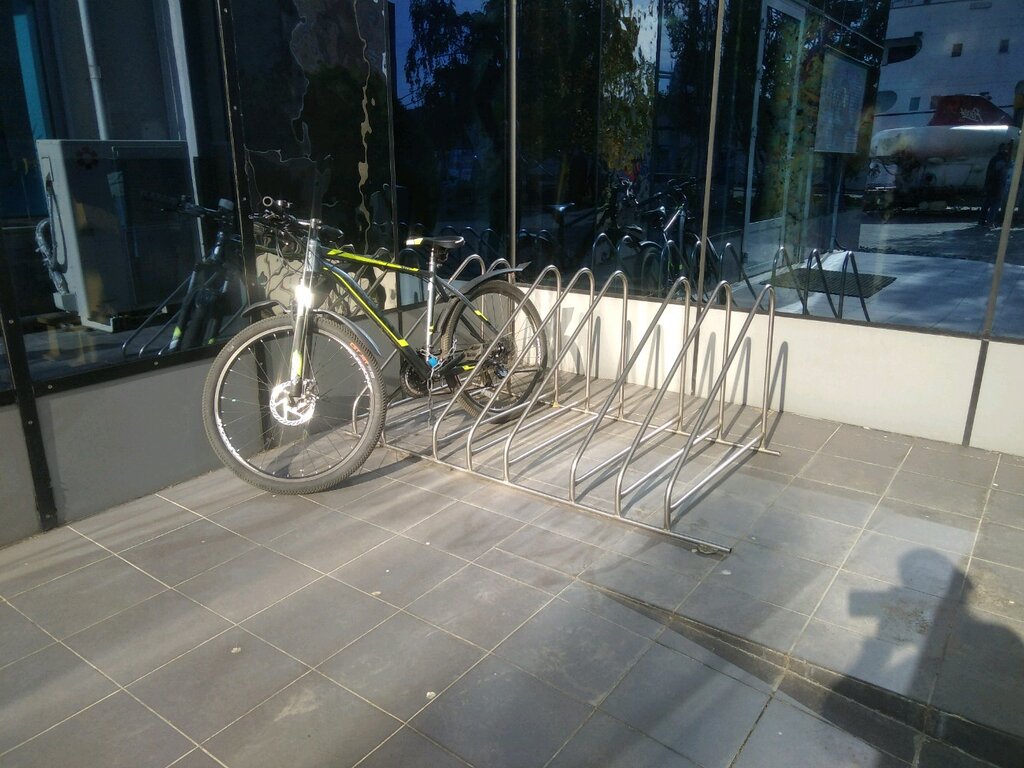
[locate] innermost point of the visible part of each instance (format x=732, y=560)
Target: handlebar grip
x=331, y=233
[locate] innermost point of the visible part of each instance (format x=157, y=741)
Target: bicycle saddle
x=445, y=242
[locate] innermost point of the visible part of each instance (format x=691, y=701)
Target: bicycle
x=296, y=403
x=662, y=261
x=205, y=298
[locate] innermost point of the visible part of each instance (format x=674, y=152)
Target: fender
x=465, y=289
x=261, y=305
x=360, y=334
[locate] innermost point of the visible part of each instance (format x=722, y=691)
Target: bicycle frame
x=315, y=262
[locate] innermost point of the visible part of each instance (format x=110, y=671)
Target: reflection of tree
x=455, y=66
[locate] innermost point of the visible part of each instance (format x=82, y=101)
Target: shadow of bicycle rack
x=607, y=444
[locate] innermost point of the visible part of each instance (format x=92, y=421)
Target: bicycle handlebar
x=276, y=216
x=184, y=205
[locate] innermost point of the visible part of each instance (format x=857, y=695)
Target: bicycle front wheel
x=470, y=332
x=285, y=442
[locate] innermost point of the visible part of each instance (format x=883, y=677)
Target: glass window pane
x=91, y=169
x=1009, y=317
x=450, y=131
x=856, y=203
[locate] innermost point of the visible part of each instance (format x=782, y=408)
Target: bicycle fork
x=303, y=295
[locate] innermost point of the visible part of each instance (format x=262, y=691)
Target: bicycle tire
x=309, y=449
x=651, y=276
x=468, y=334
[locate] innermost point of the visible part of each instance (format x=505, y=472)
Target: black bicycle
x=210, y=301
x=295, y=403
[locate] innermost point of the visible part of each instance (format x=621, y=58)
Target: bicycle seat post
x=431, y=269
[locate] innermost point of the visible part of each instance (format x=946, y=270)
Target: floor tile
x=831, y=502
x=318, y=620
x=724, y=608
x=197, y=758
x=608, y=743
x=518, y=568
x=848, y=473
x=719, y=515
x=775, y=577
x=908, y=668
x=647, y=583
x=44, y=557
x=479, y=606
x=216, y=683
x=187, y=551
x=500, y=717
x=868, y=445
x=210, y=493
x=464, y=530
x=146, y=636
x=1005, y=508
x=982, y=674
x=573, y=650
x=906, y=564
x=693, y=709
x=790, y=461
x=399, y=570
x=612, y=607
x=409, y=749
x=118, y=732
x=402, y=664
x=591, y=529
x=758, y=673
x=43, y=689
x=995, y=588
x=1010, y=476
x=786, y=737
x=925, y=525
x=86, y=596
x=505, y=501
x=18, y=635
x=265, y=517
x=1001, y=544
x=799, y=431
x=953, y=466
x=874, y=609
x=664, y=552
x=802, y=535
x=133, y=523
x=935, y=754
x=398, y=507
x=249, y=583
x=310, y=724
x=330, y=540
x=552, y=550
x=347, y=495
x=938, y=493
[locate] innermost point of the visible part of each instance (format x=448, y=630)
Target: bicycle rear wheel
x=293, y=445
x=470, y=333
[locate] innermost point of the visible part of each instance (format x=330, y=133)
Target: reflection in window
x=449, y=97
x=1004, y=46
x=915, y=103
x=958, y=50
x=1009, y=317
x=92, y=253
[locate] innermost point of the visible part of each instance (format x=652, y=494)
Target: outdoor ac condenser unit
x=119, y=252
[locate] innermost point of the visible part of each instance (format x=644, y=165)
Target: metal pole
x=95, y=77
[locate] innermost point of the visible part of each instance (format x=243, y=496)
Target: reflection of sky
x=403, y=41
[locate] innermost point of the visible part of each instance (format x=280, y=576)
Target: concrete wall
x=123, y=439
x=18, y=516
x=894, y=380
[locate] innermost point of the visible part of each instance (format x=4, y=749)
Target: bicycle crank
x=290, y=410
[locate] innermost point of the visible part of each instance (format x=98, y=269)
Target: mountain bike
x=677, y=249
x=209, y=301
x=296, y=403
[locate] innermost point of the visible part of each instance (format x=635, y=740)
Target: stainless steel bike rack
x=544, y=409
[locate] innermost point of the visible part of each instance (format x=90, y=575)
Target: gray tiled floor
x=423, y=617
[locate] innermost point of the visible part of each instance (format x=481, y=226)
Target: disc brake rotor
x=292, y=411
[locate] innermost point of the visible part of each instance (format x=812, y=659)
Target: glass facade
x=855, y=154
x=92, y=166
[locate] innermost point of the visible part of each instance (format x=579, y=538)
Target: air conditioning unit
x=119, y=252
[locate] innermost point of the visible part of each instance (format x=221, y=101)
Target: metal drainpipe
x=95, y=77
